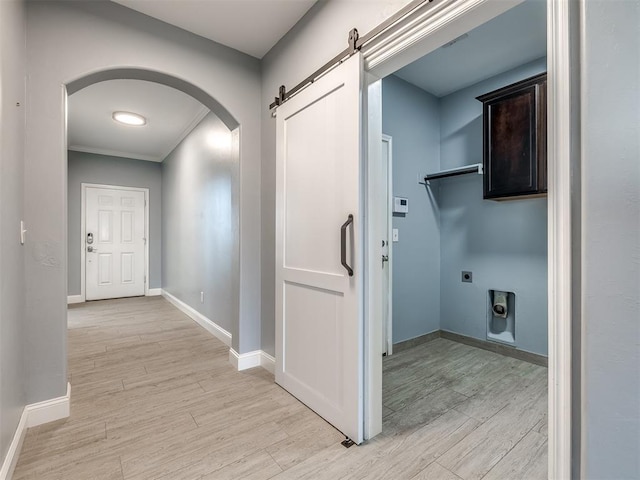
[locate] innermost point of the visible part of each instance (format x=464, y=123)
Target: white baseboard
x=11, y=459
x=154, y=292
x=33, y=415
x=268, y=362
x=74, y=299
x=217, y=331
x=257, y=358
x=244, y=361
x=49, y=410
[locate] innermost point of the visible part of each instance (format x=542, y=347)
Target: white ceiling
x=512, y=39
x=251, y=26
x=170, y=114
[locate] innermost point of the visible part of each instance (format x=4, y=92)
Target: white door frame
x=83, y=249
x=411, y=39
x=388, y=328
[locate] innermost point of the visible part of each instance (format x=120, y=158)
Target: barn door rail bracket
x=356, y=43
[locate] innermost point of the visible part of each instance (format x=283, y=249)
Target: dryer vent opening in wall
x=501, y=317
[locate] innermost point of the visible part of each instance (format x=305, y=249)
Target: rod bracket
x=353, y=40
x=282, y=94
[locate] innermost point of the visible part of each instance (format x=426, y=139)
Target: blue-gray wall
x=450, y=228
x=200, y=238
x=611, y=239
x=503, y=243
x=410, y=117
x=106, y=170
x=13, y=347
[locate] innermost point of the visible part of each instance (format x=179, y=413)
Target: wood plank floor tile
x=477, y=453
x=258, y=466
x=526, y=461
x=423, y=410
x=435, y=471
x=405, y=455
x=154, y=397
x=297, y=447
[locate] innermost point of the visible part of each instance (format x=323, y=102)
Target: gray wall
x=65, y=42
x=106, y=170
x=200, y=222
x=611, y=239
x=411, y=117
x=12, y=314
x=504, y=243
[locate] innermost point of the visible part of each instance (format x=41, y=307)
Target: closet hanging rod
x=452, y=172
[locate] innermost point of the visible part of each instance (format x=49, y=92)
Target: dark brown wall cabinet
x=515, y=139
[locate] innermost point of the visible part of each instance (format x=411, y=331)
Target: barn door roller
x=355, y=44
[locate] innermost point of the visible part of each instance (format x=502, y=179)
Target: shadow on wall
x=467, y=138
x=491, y=227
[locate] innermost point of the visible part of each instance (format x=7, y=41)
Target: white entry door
x=319, y=326
x=114, y=243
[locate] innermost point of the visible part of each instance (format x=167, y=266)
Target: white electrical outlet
x=201, y=297
x=395, y=235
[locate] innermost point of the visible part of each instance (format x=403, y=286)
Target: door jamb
x=389, y=166
x=83, y=253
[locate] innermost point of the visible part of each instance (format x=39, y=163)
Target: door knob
x=91, y=249
x=385, y=258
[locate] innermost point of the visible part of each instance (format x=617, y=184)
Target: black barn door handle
x=343, y=245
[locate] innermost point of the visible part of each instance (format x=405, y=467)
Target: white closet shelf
x=452, y=172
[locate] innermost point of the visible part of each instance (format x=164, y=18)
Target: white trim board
x=209, y=325
x=49, y=410
x=11, y=458
x=562, y=128
x=74, y=299
x=33, y=415
x=152, y=292
x=268, y=362
x=257, y=358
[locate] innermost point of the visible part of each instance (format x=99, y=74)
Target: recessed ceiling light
x=128, y=118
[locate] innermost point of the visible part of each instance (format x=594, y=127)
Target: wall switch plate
x=201, y=297
x=467, y=277
x=395, y=235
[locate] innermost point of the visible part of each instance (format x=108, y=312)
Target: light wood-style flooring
x=154, y=397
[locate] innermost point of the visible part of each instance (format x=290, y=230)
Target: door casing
x=83, y=252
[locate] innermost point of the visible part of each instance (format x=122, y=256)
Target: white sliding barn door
x=114, y=243
x=319, y=333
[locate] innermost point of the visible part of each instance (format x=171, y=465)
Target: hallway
x=154, y=397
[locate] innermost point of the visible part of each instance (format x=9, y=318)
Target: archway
x=156, y=77
x=199, y=210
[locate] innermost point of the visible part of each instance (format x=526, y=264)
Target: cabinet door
x=515, y=142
